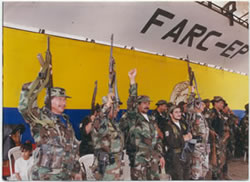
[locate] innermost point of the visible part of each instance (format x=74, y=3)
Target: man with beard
x=143, y=136
x=174, y=140
x=160, y=114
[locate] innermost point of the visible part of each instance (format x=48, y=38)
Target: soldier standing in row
x=108, y=142
x=200, y=132
x=148, y=154
x=219, y=125
x=174, y=141
x=160, y=114
x=52, y=131
x=244, y=124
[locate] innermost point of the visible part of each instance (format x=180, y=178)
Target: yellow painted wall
x=77, y=64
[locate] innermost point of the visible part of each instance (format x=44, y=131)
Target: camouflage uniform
x=143, y=136
x=57, y=157
x=108, y=142
x=221, y=127
x=244, y=124
x=200, y=156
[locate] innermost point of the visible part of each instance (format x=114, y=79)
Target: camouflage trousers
x=112, y=171
x=44, y=173
x=145, y=170
x=199, y=164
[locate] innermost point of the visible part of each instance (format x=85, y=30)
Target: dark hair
x=246, y=108
x=26, y=146
x=170, y=104
x=181, y=105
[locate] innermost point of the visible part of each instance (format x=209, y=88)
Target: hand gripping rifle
x=48, y=60
x=112, y=77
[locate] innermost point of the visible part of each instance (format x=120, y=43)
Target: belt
x=177, y=150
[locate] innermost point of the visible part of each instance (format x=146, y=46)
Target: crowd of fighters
x=186, y=139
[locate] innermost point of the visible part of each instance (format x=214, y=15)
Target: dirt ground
x=238, y=169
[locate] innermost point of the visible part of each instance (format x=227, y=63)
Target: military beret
x=161, y=102
x=58, y=92
x=217, y=99
x=143, y=98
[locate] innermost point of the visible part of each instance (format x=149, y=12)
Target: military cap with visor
x=161, y=102
x=143, y=98
x=58, y=92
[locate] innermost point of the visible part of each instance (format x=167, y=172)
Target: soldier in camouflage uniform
x=148, y=150
x=108, y=142
x=57, y=156
x=220, y=126
x=244, y=124
x=200, y=132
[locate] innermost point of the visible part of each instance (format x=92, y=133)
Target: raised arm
x=28, y=99
x=131, y=103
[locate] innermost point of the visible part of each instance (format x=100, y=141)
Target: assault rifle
x=112, y=76
x=192, y=77
x=189, y=145
x=48, y=60
x=93, y=106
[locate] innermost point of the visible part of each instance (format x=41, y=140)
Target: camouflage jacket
x=143, y=133
x=199, y=125
x=106, y=134
x=58, y=147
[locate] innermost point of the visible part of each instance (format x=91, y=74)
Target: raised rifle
x=48, y=60
x=93, y=106
x=189, y=145
x=192, y=77
x=112, y=77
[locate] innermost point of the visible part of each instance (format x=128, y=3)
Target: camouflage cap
x=58, y=92
x=161, y=102
x=143, y=98
x=217, y=99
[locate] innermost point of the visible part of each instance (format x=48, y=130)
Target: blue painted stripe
x=12, y=116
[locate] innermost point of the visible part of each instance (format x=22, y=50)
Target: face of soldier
x=115, y=113
x=58, y=105
x=185, y=108
x=143, y=107
x=176, y=115
x=219, y=105
x=162, y=108
x=208, y=105
x=226, y=109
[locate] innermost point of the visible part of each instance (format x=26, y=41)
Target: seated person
x=24, y=163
